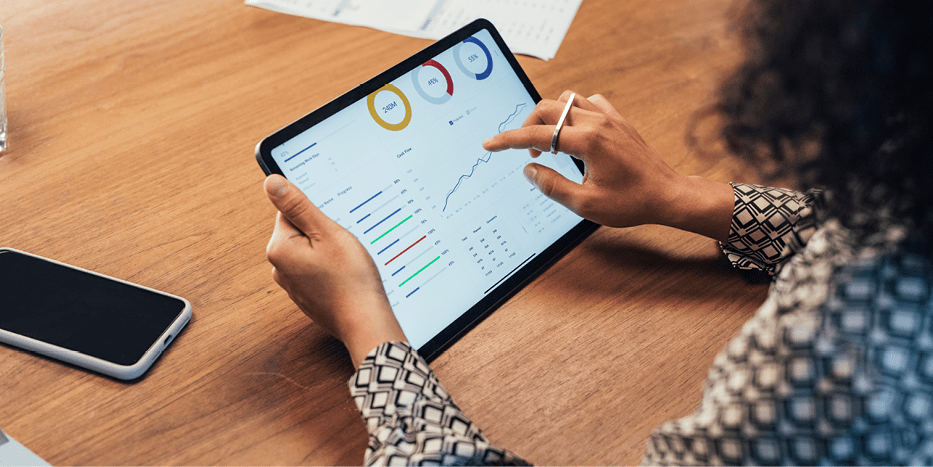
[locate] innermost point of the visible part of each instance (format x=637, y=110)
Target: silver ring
x=560, y=123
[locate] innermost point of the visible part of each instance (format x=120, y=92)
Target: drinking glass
x=2, y=98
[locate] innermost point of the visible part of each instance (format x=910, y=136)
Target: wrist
x=360, y=347
x=701, y=206
x=370, y=329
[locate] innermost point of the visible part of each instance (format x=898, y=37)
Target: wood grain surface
x=132, y=128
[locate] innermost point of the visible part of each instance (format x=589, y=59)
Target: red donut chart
x=450, y=82
x=419, y=86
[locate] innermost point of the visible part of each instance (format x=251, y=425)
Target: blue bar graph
x=383, y=220
x=386, y=248
x=364, y=202
x=299, y=152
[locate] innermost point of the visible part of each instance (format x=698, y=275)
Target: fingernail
x=486, y=141
x=530, y=172
x=277, y=186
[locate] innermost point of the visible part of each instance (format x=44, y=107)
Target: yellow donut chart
x=371, y=102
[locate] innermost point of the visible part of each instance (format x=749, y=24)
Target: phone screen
x=81, y=311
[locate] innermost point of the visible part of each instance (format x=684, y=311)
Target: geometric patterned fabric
x=835, y=368
x=768, y=225
x=410, y=417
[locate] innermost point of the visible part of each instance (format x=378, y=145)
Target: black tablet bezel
x=512, y=283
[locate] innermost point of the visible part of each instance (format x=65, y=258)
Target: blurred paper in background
x=529, y=27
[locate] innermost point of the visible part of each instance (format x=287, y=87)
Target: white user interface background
x=406, y=173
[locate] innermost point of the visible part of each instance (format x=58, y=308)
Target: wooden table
x=132, y=127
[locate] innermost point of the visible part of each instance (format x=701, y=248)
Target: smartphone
x=87, y=319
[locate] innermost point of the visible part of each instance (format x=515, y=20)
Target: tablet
x=454, y=229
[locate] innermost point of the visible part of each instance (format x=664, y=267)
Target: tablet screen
x=402, y=167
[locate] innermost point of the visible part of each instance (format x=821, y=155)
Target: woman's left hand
x=328, y=273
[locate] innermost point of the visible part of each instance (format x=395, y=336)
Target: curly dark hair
x=839, y=94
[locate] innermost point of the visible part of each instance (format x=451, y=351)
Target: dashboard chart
x=486, y=157
x=404, y=170
x=390, y=108
x=433, y=82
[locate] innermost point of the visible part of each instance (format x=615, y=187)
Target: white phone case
x=124, y=372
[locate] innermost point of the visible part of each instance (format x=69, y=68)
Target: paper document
x=13, y=453
x=530, y=27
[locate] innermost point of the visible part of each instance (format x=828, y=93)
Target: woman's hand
x=626, y=183
x=328, y=273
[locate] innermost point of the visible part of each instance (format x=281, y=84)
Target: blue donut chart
x=479, y=76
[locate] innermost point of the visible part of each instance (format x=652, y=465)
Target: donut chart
x=389, y=107
x=429, y=85
x=473, y=59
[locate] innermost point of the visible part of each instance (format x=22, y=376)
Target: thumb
x=294, y=205
x=554, y=185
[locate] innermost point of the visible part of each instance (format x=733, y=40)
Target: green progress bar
x=419, y=271
x=387, y=231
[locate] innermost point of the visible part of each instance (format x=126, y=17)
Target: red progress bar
x=406, y=249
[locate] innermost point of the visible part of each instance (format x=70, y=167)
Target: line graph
x=485, y=158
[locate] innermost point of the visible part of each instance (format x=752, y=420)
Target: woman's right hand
x=626, y=183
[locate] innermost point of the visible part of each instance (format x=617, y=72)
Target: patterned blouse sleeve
x=410, y=417
x=769, y=225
